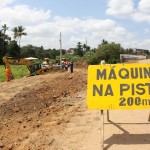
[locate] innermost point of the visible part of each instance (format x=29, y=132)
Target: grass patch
x=18, y=71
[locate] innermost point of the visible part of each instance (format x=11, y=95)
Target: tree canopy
x=110, y=52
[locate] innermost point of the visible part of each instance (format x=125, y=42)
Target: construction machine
x=34, y=69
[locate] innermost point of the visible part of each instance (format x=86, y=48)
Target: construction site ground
x=49, y=112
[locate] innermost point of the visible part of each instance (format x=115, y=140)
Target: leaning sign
x=118, y=86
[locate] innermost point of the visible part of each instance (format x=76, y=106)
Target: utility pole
x=60, y=51
x=86, y=43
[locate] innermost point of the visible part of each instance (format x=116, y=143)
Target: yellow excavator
x=34, y=69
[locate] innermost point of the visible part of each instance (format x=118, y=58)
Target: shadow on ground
x=126, y=138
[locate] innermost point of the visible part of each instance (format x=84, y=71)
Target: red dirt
x=32, y=102
x=49, y=112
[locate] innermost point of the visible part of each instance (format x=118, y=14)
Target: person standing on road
x=71, y=66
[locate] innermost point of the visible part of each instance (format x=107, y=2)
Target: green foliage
x=90, y=57
x=129, y=51
x=13, y=49
x=2, y=73
x=8, y=47
x=79, y=49
x=75, y=58
x=4, y=39
x=70, y=57
x=38, y=52
x=109, y=52
x=27, y=51
x=18, y=33
x=18, y=71
x=1, y=50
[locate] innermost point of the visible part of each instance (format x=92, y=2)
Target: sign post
x=102, y=129
x=118, y=87
x=108, y=116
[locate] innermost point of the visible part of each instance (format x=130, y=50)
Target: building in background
x=70, y=51
x=141, y=52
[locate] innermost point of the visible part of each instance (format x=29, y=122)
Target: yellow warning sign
x=118, y=86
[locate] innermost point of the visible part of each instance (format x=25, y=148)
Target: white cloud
x=4, y=3
x=44, y=29
x=75, y=30
x=23, y=15
x=140, y=17
x=125, y=8
x=147, y=30
x=120, y=8
x=144, y=6
x=144, y=44
x=142, y=14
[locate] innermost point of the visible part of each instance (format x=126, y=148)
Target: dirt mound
x=35, y=105
x=81, y=64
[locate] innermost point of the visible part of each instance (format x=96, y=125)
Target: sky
x=87, y=21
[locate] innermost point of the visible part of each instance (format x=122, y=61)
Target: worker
x=66, y=65
x=7, y=74
x=71, y=67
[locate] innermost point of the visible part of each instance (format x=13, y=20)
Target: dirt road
x=49, y=113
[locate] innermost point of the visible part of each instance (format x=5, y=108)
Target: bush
x=109, y=52
x=91, y=58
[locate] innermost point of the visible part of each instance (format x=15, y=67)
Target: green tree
x=4, y=40
x=84, y=47
x=13, y=49
x=18, y=33
x=4, y=29
x=104, y=42
x=21, y=33
x=129, y=51
x=79, y=49
x=28, y=51
x=88, y=48
x=15, y=33
x=54, y=53
x=1, y=47
x=90, y=57
x=109, y=52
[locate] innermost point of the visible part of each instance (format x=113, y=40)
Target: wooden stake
x=149, y=118
x=108, y=115
x=102, y=130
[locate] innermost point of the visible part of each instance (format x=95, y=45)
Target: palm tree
x=3, y=32
x=79, y=49
x=15, y=31
x=21, y=33
x=18, y=33
x=84, y=47
x=4, y=38
x=4, y=28
x=104, y=42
